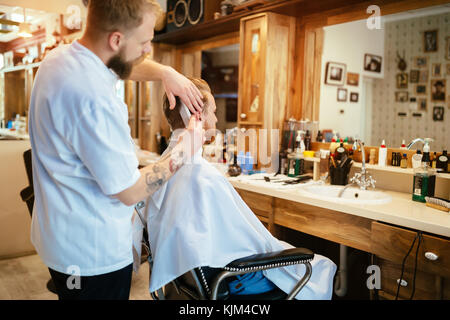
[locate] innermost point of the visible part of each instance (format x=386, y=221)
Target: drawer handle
x=431, y=256
x=403, y=282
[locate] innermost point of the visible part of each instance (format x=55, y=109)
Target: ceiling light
x=24, y=28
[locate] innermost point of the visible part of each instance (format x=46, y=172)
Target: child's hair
x=173, y=116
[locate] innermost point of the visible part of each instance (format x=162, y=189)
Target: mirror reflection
x=389, y=83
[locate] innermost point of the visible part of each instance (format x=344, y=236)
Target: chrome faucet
x=362, y=178
x=414, y=142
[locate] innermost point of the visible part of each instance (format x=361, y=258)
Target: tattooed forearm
x=163, y=170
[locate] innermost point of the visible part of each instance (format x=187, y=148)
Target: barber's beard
x=122, y=67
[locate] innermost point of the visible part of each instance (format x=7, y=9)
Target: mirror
x=220, y=68
x=390, y=83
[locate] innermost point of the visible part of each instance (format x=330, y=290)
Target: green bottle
x=424, y=182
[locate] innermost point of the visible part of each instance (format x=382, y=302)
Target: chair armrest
x=270, y=260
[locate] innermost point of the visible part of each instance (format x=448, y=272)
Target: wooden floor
x=25, y=278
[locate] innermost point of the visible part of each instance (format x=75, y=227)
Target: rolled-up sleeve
x=101, y=138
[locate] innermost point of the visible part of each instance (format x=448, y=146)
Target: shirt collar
x=107, y=73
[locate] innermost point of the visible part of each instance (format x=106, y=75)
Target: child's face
x=209, y=118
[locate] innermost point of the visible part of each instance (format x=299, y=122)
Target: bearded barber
x=85, y=172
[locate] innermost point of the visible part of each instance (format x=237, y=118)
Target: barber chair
x=206, y=283
x=27, y=196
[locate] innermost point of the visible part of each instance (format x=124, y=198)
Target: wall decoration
x=430, y=41
x=447, y=69
x=402, y=80
x=352, y=79
x=438, y=113
x=423, y=77
x=401, y=96
x=335, y=73
x=436, y=70
x=421, y=62
x=422, y=102
x=341, y=95
x=414, y=76
x=354, y=96
x=401, y=63
x=420, y=89
x=372, y=62
x=438, y=90
x=447, y=48
x=408, y=35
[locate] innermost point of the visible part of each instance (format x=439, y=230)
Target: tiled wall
x=407, y=36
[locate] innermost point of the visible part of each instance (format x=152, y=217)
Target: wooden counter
x=386, y=230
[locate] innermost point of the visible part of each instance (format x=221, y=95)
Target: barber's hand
x=175, y=84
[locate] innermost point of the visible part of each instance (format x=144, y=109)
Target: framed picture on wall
x=420, y=89
x=401, y=96
x=372, y=63
x=447, y=71
x=402, y=80
x=423, y=77
x=335, y=73
x=354, y=96
x=352, y=79
x=421, y=62
x=422, y=103
x=341, y=95
x=438, y=113
x=430, y=41
x=436, y=70
x=414, y=76
x=438, y=90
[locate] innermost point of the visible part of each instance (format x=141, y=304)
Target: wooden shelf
x=21, y=67
x=229, y=23
x=396, y=169
x=250, y=123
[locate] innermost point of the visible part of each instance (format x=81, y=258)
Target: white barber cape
x=198, y=219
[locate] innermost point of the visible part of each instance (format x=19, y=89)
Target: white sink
x=351, y=195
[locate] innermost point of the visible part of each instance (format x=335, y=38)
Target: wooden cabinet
x=392, y=243
x=266, y=58
x=265, y=75
x=388, y=243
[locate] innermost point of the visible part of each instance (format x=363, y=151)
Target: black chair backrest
x=28, y=166
x=27, y=194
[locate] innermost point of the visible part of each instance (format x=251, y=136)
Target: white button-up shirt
x=82, y=155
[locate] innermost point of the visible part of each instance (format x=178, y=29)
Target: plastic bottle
x=416, y=159
x=382, y=154
x=426, y=155
x=334, y=144
x=434, y=161
x=307, y=141
x=403, y=145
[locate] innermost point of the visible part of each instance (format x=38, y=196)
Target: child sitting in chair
x=198, y=219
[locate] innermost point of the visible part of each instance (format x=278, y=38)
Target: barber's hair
x=119, y=15
x=173, y=116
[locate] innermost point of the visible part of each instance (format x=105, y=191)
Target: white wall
x=347, y=43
